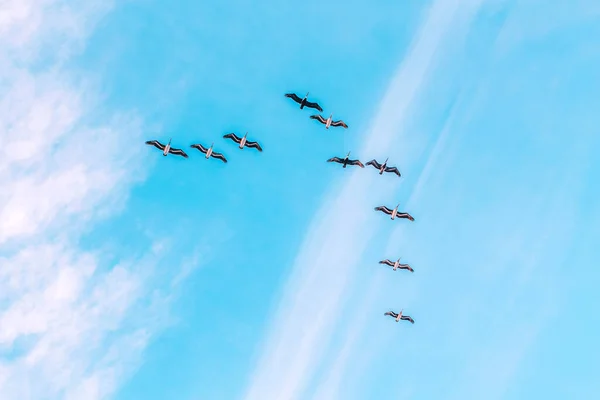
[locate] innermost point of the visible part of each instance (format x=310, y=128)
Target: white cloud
x=313, y=297
x=71, y=325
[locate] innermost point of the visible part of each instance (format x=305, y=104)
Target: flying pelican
x=209, y=152
x=304, y=102
x=394, y=213
x=383, y=167
x=329, y=122
x=399, y=316
x=345, y=161
x=243, y=141
x=396, y=265
x=167, y=149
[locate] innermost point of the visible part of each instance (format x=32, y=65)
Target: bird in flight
x=209, y=152
x=243, y=141
x=346, y=161
x=304, y=102
x=383, y=167
x=399, y=316
x=394, y=213
x=329, y=121
x=167, y=149
x=396, y=265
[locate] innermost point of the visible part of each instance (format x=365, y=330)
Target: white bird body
x=396, y=264
x=210, y=150
x=328, y=124
x=399, y=316
x=167, y=147
x=243, y=141
x=383, y=168
x=395, y=211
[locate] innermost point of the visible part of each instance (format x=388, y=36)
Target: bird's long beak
x=386, y=160
x=307, y=94
x=348, y=154
x=211, y=145
x=246, y=134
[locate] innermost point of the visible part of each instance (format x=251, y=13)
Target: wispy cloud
x=72, y=325
x=496, y=284
x=313, y=297
x=331, y=383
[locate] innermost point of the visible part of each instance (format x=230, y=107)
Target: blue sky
x=128, y=275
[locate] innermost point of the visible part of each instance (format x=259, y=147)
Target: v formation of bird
x=328, y=122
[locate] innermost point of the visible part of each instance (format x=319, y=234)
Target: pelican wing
x=313, y=105
x=391, y=314
x=156, y=144
x=406, y=266
x=385, y=210
x=339, y=123
x=294, y=97
x=405, y=215
x=387, y=262
x=336, y=159
x=218, y=156
x=319, y=118
x=393, y=169
x=254, y=145
x=200, y=147
x=374, y=163
x=356, y=162
x=233, y=137
x=178, y=152
x=407, y=318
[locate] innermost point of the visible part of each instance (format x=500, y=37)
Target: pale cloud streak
x=313, y=297
x=494, y=305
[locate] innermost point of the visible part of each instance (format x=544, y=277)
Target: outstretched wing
x=335, y=159
x=374, y=163
x=178, y=152
x=384, y=209
x=406, y=266
x=233, y=137
x=393, y=169
x=218, y=156
x=294, y=97
x=387, y=262
x=356, y=162
x=319, y=118
x=156, y=144
x=391, y=314
x=407, y=318
x=405, y=215
x=254, y=145
x=313, y=105
x=200, y=147
x=339, y=123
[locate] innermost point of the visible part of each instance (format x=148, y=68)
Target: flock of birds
x=328, y=122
